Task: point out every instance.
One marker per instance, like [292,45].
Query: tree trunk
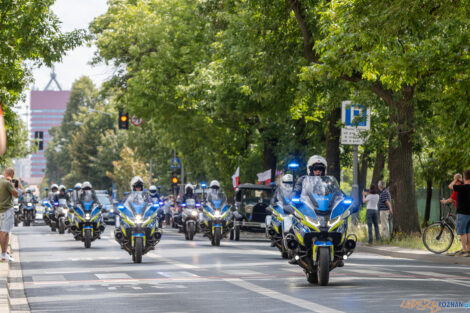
[362,175]
[378,173]
[332,144]
[400,160]
[427,210]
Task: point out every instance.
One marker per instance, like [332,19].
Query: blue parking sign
[355,116]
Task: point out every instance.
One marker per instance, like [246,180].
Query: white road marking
[41,278]
[113,276]
[177,274]
[307,305]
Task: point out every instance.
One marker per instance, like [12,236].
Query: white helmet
[153,190]
[62,187]
[86,184]
[54,186]
[214,184]
[30,189]
[188,186]
[287,179]
[136,181]
[316,161]
[78,186]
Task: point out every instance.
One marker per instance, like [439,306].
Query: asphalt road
[180,276]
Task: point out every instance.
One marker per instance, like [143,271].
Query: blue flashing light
[161,203]
[295,200]
[198,205]
[203,185]
[293,165]
[348,201]
[56,203]
[120,207]
[183,204]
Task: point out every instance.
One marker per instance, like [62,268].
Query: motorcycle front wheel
[138,248]
[87,238]
[61,225]
[323,266]
[217,236]
[191,231]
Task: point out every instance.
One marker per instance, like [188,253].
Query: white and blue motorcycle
[318,236]
[137,228]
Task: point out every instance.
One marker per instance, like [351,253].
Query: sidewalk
[415,254]
[12,296]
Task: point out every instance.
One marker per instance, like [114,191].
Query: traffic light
[174,180]
[123,120]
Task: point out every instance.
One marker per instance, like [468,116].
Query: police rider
[316,166]
[137,184]
[76,193]
[62,194]
[154,197]
[87,192]
[52,193]
[214,191]
[189,193]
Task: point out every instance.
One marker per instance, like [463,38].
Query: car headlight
[194,213]
[217,214]
[138,219]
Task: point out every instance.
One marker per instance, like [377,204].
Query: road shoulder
[18,302]
[414,254]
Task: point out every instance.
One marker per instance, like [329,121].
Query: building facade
[47,109]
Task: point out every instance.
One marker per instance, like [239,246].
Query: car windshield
[103,199]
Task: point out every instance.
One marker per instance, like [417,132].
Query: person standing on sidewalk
[385,209]
[463,212]
[453,198]
[372,200]
[7,192]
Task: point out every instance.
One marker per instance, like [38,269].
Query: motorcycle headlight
[29,204]
[315,222]
[111,210]
[138,219]
[332,223]
[217,214]
[194,213]
[65,210]
[87,216]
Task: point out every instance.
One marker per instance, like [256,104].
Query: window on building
[39,138]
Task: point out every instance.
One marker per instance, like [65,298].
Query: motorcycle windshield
[285,191]
[137,201]
[190,203]
[63,202]
[28,198]
[216,200]
[321,193]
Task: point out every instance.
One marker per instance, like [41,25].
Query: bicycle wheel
[438,237]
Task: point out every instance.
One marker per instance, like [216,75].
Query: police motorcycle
[216,221]
[189,218]
[61,215]
[137,228]
[49,213]
[88,225]
[16,208]
[275,221]
[27,209]
[318,234]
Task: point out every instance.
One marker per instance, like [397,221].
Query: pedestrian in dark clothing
[463,212]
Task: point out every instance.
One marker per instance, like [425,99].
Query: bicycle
[438,237]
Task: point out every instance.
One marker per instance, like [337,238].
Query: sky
[75,14]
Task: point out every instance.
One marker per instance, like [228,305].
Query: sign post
[356,119]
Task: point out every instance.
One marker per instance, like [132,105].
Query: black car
[108,209]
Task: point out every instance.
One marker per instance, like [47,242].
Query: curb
[18,302]
[420,255]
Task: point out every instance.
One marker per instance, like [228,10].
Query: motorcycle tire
[191,231]
[16,221]
[61,225]
[217,236]
[52,229]
[26,222]
[138,248]
[323,266]
[285,255]
[312,277]
[232,234]
[87,238]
